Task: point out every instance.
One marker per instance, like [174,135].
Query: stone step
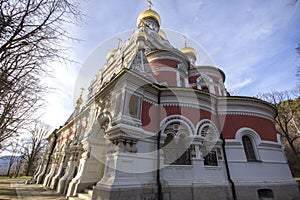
[74,198]
[84,196]
[89,191]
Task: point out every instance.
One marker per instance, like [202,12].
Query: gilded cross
[82,89]
[150,4]
[119,42]
[185,43]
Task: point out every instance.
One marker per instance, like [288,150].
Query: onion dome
[190,52]
[111,54]
[79,100]
[149,13]
[162,34]
[114,51]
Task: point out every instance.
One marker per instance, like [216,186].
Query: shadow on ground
[15,188]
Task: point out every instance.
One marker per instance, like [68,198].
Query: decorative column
[39,176]
[197,161]
[121,163]
[47,158]
[92,163]
[61,169]
[71,170]
[51,173]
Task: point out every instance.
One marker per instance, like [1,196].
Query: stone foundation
[281,191]
[168,193]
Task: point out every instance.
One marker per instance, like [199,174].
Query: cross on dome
[190,51]
[150,4]
[79,100]
[119,42]
[148,13]
[82,90]
[185,43]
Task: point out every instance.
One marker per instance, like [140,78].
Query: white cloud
[238,84]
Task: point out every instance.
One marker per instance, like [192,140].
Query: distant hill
[4,164]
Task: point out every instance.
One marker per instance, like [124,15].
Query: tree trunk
[28,168]
[8,170]
[297,160]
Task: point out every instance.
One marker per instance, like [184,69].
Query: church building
[156,125]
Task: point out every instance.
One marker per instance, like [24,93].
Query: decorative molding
[180,118]
[202,124]
[246,114]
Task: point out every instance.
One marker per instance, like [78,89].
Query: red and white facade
[157,125]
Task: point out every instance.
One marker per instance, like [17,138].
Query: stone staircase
[86,195]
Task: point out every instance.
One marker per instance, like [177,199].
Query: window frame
[215,162]
[172,131]
[265,193]
[250,150]
[139,99]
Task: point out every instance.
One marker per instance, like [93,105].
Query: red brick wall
[264,127]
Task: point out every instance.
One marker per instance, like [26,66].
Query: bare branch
[32,36]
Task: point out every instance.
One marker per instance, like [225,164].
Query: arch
[250,132]
[249,139]
[181,119]
[176,147]
[206,122]
[207,130]
[204,82]
[203,78]
[249,148]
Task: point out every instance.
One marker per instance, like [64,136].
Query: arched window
[207,131]
[204,82]
[249,148]
[176,145]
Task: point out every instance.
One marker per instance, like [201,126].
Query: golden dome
[162,34]
[111,54]
[189,51]
[79,101]
[149,13]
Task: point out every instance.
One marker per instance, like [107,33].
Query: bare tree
[32,36]
[33,147]
[288,119]
[14,150]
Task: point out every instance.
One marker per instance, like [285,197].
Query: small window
[211,159]
[134,106]
[175,153]
[265,193]
[118,104]
[248,148]
[205,88]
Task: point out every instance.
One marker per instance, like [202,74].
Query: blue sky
[252,41]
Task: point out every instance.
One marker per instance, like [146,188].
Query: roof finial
[82,90]
[119,42]
[185,43]
[79,100]
[150,4]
